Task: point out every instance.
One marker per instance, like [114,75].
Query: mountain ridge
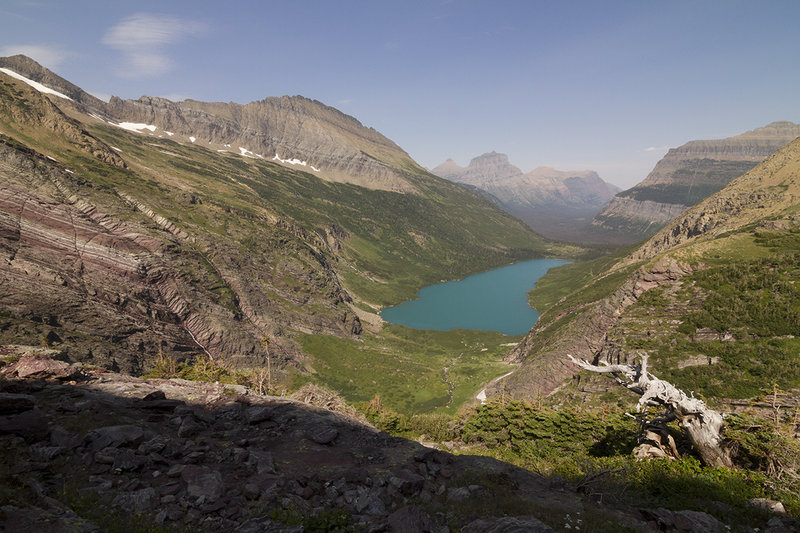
[686,175]
[287,128]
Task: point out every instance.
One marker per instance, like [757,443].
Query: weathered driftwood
[702,425]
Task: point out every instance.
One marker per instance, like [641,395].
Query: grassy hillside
[711,297]
[412,371]
[395,242]
[259,250]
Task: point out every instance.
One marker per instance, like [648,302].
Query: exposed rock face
[338,146]
[544,373]
[687,175]
[769,190]
[115,291]
[546,198]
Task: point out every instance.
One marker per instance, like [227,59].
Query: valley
[192,264]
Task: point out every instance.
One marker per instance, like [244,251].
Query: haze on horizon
[573,85]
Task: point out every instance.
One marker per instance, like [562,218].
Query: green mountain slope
[118,246]
[713,298]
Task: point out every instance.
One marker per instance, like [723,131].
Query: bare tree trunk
[702,425]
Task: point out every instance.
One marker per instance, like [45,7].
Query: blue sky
[603,85]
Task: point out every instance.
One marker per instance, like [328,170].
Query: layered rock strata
[687,175]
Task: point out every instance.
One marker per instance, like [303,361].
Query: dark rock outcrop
[101,454]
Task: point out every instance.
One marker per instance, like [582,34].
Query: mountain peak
[27,67]
[779,129]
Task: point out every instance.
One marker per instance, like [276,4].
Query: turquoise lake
[496,300]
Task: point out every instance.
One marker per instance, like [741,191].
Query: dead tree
[702,425]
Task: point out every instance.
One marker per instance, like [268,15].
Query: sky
[601,85]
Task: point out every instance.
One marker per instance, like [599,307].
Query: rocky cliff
[685,176]
[115,291]
[291,130]
[553,202]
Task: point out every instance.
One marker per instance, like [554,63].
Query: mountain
[291,130]
[555,203]
[132,230]
[712,297]
[685,176]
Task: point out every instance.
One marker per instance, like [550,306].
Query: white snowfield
[135,126]
[294,161]
[35,84]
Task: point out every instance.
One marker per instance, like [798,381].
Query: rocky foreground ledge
[82,449]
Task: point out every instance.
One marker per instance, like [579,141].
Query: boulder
[507,524]
[11,404]
[202,481]
[114,436]
[39,366]
[410,519]
[30,424]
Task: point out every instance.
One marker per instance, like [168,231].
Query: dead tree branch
[702,425]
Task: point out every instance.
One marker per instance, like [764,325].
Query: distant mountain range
[555,203]
[685,176]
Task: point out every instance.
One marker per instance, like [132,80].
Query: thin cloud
[142,38]
[656,148]
[49,56]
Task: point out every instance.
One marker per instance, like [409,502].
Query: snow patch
[193,139]
[68,170]
[98,117]
[245,152]
[135,126]
[294,161]
[35,84]
[169,133]
[115,148]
